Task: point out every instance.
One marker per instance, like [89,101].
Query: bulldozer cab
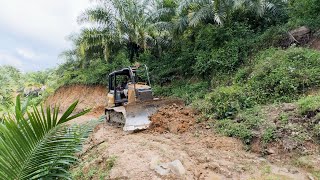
[129,85]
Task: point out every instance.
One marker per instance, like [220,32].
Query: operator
[124,86]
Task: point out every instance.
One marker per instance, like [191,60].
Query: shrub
[221,49]
[283,75]
[227,101]
[188,91]
[304,12]
[269,134]
[228,127]
[96,73]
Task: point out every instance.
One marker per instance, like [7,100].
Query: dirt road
[204,155]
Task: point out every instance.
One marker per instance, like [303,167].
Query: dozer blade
[136,115]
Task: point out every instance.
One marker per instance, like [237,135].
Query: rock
[162,169]
[288,107]
[310,177]
[177,168]
[270,151]
[300,33]
[154,162]
[173,127]
[214,166]
[293,171]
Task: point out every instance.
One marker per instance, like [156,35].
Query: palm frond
[202,14]
[38,146]
[99,15]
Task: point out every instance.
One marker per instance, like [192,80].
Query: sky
[33,33]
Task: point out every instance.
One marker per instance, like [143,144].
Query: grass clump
[243,126]
[269,134]
[229,128]
[309,104]
[88,168]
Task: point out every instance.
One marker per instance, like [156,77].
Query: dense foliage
[177,39]
[224,55]
[32,86]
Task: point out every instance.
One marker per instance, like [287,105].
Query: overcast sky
[33,32]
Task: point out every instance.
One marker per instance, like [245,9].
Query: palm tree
[38,145]
[221,10]
[123,21]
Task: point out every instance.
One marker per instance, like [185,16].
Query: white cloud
[8,59]
[49,21]
[32,55]
[27,53]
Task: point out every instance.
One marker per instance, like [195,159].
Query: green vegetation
[246,122]
[33,87]
[304,12]
[89,168]
[38,145]
[275,76]
[309,104]
[232,60]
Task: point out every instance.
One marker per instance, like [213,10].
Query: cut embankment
[94,97]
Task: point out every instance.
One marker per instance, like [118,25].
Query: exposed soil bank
[94,97]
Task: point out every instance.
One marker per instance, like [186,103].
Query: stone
[310,177]
[177,168]
[154,162]
[214,166]
[293,171]
[162,169]
[300,33]
[288,107]
[270,151]
[173,127]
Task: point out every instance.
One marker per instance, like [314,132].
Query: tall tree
[124,21]
[220,11]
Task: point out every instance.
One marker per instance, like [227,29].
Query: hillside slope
[94,97]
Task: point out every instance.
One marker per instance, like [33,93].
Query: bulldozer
[131,100]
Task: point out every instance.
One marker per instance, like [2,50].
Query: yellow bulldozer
[130,98]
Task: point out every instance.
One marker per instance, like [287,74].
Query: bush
[188,91]
[283,75]
[96,73]
[304,12]
[269,134]
[227,101]
[228,127]
[249,123]
[221,49]
[276,75]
